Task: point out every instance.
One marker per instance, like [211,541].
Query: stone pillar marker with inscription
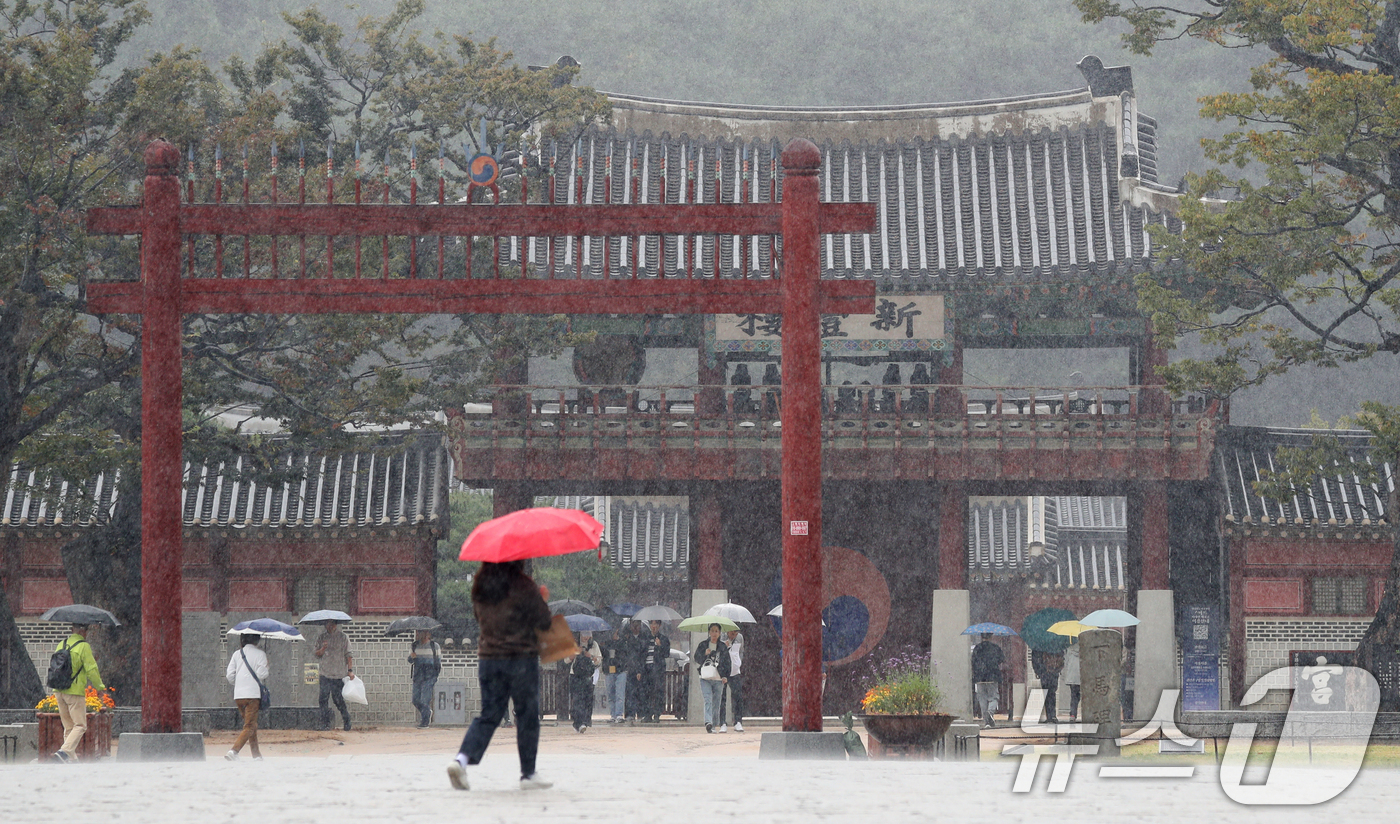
[1101,670]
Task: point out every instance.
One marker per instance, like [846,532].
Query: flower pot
[96,743]
[907,730]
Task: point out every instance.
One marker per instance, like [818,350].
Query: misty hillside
[798,52]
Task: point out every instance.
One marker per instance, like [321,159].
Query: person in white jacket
[247,692]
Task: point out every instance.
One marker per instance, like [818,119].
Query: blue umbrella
[586,623]
[268,628]
[988,628]
[624,609]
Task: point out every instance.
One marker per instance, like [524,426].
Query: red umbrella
[532,533]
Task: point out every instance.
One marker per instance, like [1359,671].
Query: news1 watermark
[1332,704]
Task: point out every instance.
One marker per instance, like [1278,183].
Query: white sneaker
[534,782]
[257,758]
[230,756]
[738,727]
[724,728]
[457,774]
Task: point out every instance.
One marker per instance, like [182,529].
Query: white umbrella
[733,612]
[267,628]
[777,612]
[324,616]
[657,612]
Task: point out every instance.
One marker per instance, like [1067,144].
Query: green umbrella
[1035,630]
[701,623]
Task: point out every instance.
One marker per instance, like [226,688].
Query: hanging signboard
[901,323]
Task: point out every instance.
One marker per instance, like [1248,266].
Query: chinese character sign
[900,323]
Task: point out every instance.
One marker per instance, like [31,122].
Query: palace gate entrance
[171,285]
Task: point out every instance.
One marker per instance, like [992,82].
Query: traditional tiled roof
[643,535]
[1049,187]
[1085,539]
[402,483]
[1337,496]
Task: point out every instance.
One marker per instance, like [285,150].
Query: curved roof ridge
[939,108]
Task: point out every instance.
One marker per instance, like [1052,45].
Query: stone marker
[1101,672]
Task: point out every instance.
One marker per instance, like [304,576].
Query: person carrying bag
[246,670]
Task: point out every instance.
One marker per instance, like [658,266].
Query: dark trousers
[632,705]
[423,699]
[581,700]
[506,680]
[735,688]
[331,689]
[1073,701]
[651,694]
[1050,683]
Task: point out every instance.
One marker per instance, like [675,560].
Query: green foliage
[1300,262]
[902,685]
[903,693]
[1300,259]
[582,576]
[454,598]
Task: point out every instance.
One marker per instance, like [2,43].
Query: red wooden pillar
[1154,398]
[709,401]
[1155,548]
[952,537]
[511,496]
[711,572]
[802,444]
[162,462]
[948,398]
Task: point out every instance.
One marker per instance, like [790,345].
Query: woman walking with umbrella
[512,613]
[247,671]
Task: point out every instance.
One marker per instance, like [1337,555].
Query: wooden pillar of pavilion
[952,536]
[162,460]
[802,440]
[710,574]
[948,399]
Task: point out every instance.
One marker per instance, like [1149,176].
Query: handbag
[557,642]
[264,697]
[709,672]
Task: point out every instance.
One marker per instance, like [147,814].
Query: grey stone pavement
[613,775]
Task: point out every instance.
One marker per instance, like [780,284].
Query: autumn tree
[1294,235]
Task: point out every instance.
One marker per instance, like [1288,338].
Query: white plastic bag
[354,690]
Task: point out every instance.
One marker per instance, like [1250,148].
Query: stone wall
[382,663]
[1269,640]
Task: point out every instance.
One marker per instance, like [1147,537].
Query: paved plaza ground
[669,774]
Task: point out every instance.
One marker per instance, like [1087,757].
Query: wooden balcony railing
[892,431]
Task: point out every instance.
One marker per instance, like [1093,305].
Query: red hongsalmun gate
[171,284]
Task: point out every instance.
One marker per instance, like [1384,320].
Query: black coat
[717,655]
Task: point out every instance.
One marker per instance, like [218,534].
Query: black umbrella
[572,607]
[81,614]
[413,623]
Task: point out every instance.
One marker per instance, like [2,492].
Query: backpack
[61,673]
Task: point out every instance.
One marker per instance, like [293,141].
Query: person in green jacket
[72,702]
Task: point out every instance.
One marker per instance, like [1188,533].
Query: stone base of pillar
[165,746]
[951,650]
[809,746]
[1155,659]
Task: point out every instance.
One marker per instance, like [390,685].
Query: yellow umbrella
[1070,628]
